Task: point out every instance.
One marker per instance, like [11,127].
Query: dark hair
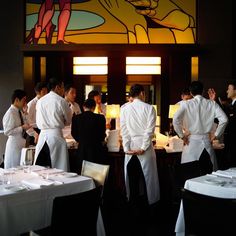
[53,82]
[232,82]
[39,86]
[185,91]
[93,93]
[136,89]
[18,93]
[89,103]
[68,87]
[196,88]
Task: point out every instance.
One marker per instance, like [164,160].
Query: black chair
[205,215]
[74,214]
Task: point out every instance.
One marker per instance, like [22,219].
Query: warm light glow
[90,60]
[143,65]
[194,68]
[143,60]
[172,110]
[90,70]
[90,65]
[155,107]
[113,111]
[158,121]
[143,70]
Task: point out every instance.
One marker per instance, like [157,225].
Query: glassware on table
[6,177]
[27,163]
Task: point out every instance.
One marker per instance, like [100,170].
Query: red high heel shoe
[49,38]
[30,36]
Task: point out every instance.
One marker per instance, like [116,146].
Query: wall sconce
[113,112]
[113,139]
[172,111]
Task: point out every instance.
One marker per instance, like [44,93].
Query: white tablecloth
[31,209]
[209,185]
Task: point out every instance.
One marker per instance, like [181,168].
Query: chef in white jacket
[198,115]
[40,90]
[138,120]
[52,114]
[70,96]
[14,128]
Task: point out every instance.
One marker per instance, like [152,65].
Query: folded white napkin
[51,171]
[36,168]
[225,173]
[35,183]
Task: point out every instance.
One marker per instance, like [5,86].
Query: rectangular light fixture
[143,70]
[89,70]
[90,60]
[90,65]
[143,65]
[143,60]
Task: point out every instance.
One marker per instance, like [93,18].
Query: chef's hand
[135,152]
[26,126]
[186,139]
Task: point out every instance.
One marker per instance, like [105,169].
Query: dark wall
[11,25]
[215,37]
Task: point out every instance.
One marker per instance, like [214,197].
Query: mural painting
[110,22]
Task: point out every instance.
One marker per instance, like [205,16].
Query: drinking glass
[28,162]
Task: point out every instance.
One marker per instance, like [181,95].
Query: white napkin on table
[35,183]
[45,171]
[225,173]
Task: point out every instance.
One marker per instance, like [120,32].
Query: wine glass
[28,161]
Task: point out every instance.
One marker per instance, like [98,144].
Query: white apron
[149,167]
[57,147]
[13,150]
[194,149]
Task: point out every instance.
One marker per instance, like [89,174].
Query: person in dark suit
[230,131]
[229,154]
[89,130]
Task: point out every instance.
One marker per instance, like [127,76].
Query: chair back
[98,172]
[76,214]
[206,215]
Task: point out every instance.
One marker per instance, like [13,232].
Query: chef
[52,114]
[15,129]
[138,120]
[70,96]
[199,114]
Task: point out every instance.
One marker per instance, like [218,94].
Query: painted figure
[44,22]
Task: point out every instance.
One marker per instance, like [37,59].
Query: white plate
[68,174]
[15,188]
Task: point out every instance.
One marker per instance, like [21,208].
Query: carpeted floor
[124,219]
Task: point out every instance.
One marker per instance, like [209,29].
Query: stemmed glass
[28,161]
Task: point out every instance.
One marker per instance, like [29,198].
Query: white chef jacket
[31,110]
[138,120]
[198,116]
[75,110]
[13,129]
[52,114]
